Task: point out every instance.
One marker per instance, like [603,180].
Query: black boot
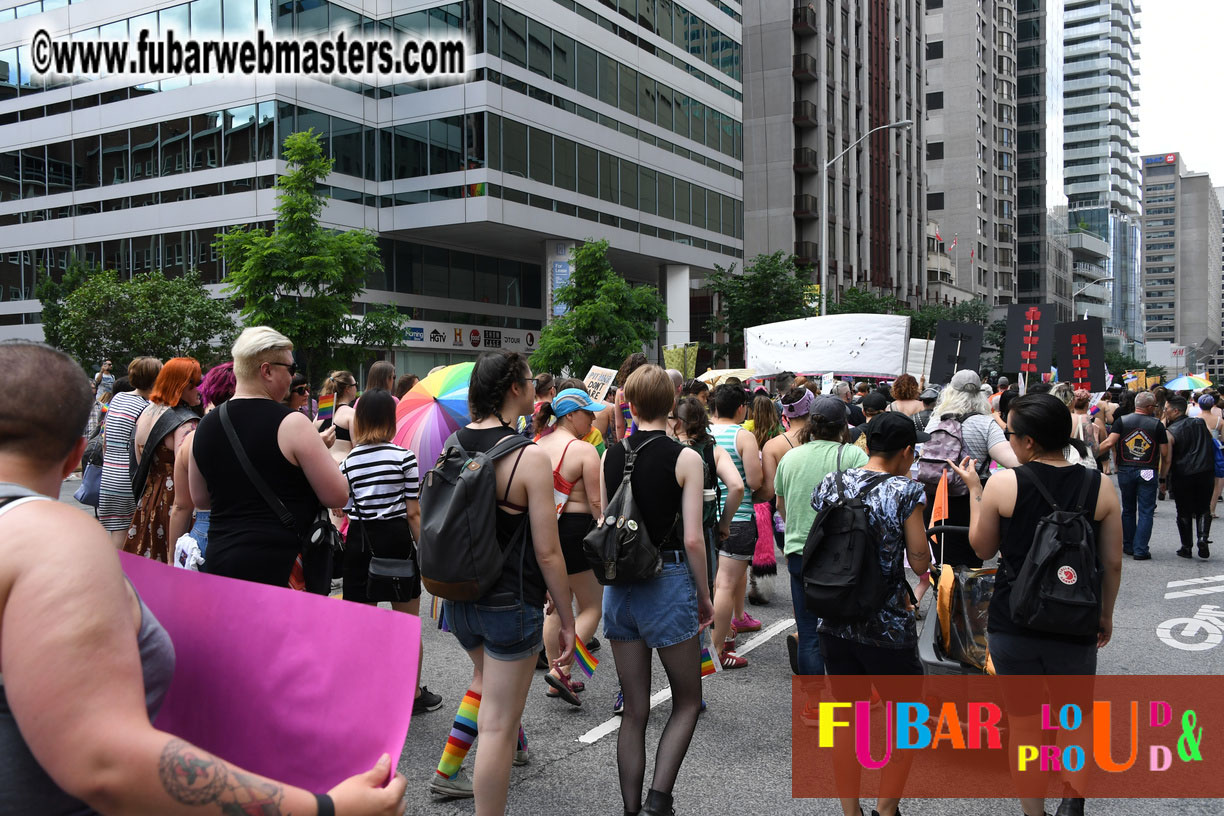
[1185,532]
[1203,523]
[657,804]
[1070,807]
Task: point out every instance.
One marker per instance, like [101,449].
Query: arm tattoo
[194,777]
[978,498]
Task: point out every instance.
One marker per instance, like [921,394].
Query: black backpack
[710,509]
[1058,587]
[619,548]
[459,556]
[841,568]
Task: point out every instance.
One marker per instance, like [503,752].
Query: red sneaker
[730,660]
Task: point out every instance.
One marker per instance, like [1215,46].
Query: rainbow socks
[522,740]
[462,735]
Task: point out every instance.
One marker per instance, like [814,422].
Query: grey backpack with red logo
[1058,587]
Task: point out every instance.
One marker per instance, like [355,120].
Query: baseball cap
[575,399]
[830,408]
[892,432]
[931,392]
[875,401]
[966,380]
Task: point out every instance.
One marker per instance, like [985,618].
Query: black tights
[682,662]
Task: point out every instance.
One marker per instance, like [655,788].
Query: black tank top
[245,539]
[654,484]
[1016,537]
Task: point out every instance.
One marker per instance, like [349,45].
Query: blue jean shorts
[507,632]
[661,611]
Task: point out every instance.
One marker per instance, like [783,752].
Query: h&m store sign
[452,337]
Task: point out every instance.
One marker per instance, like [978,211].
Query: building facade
[576,119]
[824,74]
[971,140]
[1181,258]
[1042,257]
[1101,154]
[1216,366]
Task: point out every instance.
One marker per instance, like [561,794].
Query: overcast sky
[1181,67]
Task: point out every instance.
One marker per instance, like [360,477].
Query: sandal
[576,685]
[564,688]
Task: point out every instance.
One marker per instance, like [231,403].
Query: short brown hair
[143,371]
[650,391]
[374,420]
[905,388]
[44,413]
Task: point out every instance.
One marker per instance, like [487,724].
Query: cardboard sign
[957,346]
[1081,351]
[598,381]
[303,689]
[1030,338]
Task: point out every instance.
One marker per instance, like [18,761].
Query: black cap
[874,401]
[891,432]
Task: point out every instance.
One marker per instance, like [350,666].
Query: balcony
[804,68]
[806,206]
[806,160]
[804,20]
[805,115]
[807,253]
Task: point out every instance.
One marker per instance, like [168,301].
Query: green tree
[381,328]
[1118,363]
[300,278]
[52,294]
[607,319]
[772,288]
[863,301]
[149,314]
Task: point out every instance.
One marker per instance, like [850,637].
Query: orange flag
[939,510]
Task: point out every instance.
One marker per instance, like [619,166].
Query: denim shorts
[661,611]
[741,544]
[507,632]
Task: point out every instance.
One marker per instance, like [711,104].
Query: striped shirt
[381,477]
[724,436]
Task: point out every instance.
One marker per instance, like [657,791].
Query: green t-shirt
[800,472]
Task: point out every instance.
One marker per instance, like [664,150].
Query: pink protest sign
[301,688]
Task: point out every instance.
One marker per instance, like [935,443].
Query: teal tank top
[724,435]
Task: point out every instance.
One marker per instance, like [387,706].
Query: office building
[971,140]
[576,119]
[1181,258]
[1216,367]
[1042,257]
[1101,154]
[824,74]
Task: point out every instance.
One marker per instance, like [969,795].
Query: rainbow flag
[438,613]
[710,664]
[585,660]
[327,407]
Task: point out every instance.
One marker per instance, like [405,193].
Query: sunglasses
[292,367]
[302,390]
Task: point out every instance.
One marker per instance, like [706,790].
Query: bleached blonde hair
[256,346]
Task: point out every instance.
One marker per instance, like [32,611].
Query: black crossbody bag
[388,579]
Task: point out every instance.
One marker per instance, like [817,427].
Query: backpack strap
[278,507]
[1042,489]
[1084,488]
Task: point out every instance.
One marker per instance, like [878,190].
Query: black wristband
[325,805]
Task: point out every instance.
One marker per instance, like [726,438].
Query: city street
[740,757]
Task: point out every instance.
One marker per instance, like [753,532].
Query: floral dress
[150,530]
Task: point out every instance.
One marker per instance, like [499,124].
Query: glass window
[646,14]
[114,158]
[494,141]
[206,141]
[646,98]
[28,81]
[59,168]
[712,119]
[698,207]
[10,177]
[407,268]
[239,19]
[311,17]
[608,78]
[629,185]
[697,119]
[667,196]
[563,59]
[628,90]
[462,276]
[146,153]
[434,269]
[532,285]
[664,114]
[539,48]
[320,123]
[588,171]
[609,177]
[487,287]
[266,130]
[647,189]
[541,155]
[286,115]
[588,71]
[663,20]
[8,74]
[683,212]
[474,140]
[369,139]
[411,145]
[446,145]
[514,148]
[514,37]
[346,146]
[86,155]
[342,19]
[386,167]
[564,156]
[493,28]
[206,18]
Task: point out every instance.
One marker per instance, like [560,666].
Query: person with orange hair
[172,414]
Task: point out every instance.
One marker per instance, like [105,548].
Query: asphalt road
[740,762]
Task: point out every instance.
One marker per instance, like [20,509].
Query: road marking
[1197,583]
[605,728]
[1211,579]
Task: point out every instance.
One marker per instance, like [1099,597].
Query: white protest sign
[598,380]
[867,345]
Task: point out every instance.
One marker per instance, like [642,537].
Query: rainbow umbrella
[436,407]
[1188,382]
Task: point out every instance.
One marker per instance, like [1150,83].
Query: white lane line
[1190,593]
[1192,581]
[605,728]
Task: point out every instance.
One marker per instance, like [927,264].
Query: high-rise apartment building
[1101,154]
[1042,258]
[1181,258]
[576,119]
[1216,366]
[971,140]
[823,74]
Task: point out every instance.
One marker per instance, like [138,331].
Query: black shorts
[572,528]
[741,544]
[387,538]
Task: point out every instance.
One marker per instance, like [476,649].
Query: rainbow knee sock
[462,735]
[522,740]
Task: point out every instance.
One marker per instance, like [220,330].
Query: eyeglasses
[535,383]
[302,390]
[1009,433]
[292,367]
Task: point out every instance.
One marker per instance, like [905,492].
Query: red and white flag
[971,256]
[938,237]
[953,242]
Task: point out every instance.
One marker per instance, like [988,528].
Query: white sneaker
[457,787]
[521,756]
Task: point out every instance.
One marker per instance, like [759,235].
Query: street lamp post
[824,207]
[1084,288]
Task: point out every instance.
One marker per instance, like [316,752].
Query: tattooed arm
[72,677]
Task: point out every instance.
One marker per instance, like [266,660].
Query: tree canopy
[607,319]
[772,288]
